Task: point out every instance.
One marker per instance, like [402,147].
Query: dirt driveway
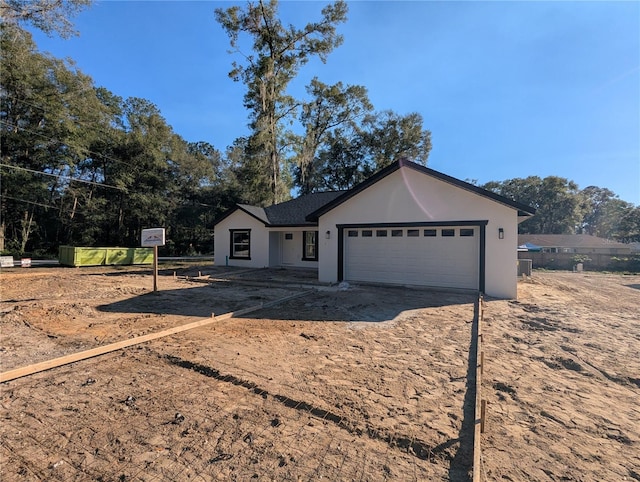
[369,383]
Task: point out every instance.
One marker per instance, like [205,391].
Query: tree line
[82,166]
[563,208]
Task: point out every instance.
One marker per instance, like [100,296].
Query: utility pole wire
[39,134]
[63,177]
[29,202]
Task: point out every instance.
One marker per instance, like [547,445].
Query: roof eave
[228,213]
[523,216]
[238,207]
[295,225]
[257,218]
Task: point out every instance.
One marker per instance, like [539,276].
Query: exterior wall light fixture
[327,235]
[500,233]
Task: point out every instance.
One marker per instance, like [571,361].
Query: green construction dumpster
[75,256]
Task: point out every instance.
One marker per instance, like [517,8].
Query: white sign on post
[6,261]
[153,237]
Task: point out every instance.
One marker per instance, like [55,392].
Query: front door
[289,248]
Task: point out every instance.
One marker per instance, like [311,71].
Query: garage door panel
[446,261]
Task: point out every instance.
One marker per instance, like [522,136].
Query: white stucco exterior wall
[407,196]
[267,245]
[291,252]
[259,241]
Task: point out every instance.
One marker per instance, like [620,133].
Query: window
[381,233]
[310,248]
[367,233]
[430,232]
[353,233]
[240,243]
[288,236]
[396,233]
[413,233]
[449,232]
[466,232]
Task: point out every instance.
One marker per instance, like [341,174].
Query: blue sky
[508,89]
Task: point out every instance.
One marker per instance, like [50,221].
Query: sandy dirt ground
[368,383]
[562,379]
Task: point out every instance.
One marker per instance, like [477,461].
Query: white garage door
[433,256]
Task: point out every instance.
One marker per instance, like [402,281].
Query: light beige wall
[259,241]
[296,244]
[409,196]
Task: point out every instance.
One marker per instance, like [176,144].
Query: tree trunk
[27,222]
[274,179]
[75,205]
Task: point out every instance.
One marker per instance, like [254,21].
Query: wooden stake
[483,413]
[155,268]
[481,363]
[83,355]
[478,418]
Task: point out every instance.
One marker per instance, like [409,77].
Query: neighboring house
[406,224]
[574,243]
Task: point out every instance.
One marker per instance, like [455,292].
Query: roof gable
[523,210]
[253,211]
[305,210]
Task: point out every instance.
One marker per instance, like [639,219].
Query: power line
[6,100]
[79,122]
[63,177]
[100,155]
[30,202]
[80,210]
[76,121]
